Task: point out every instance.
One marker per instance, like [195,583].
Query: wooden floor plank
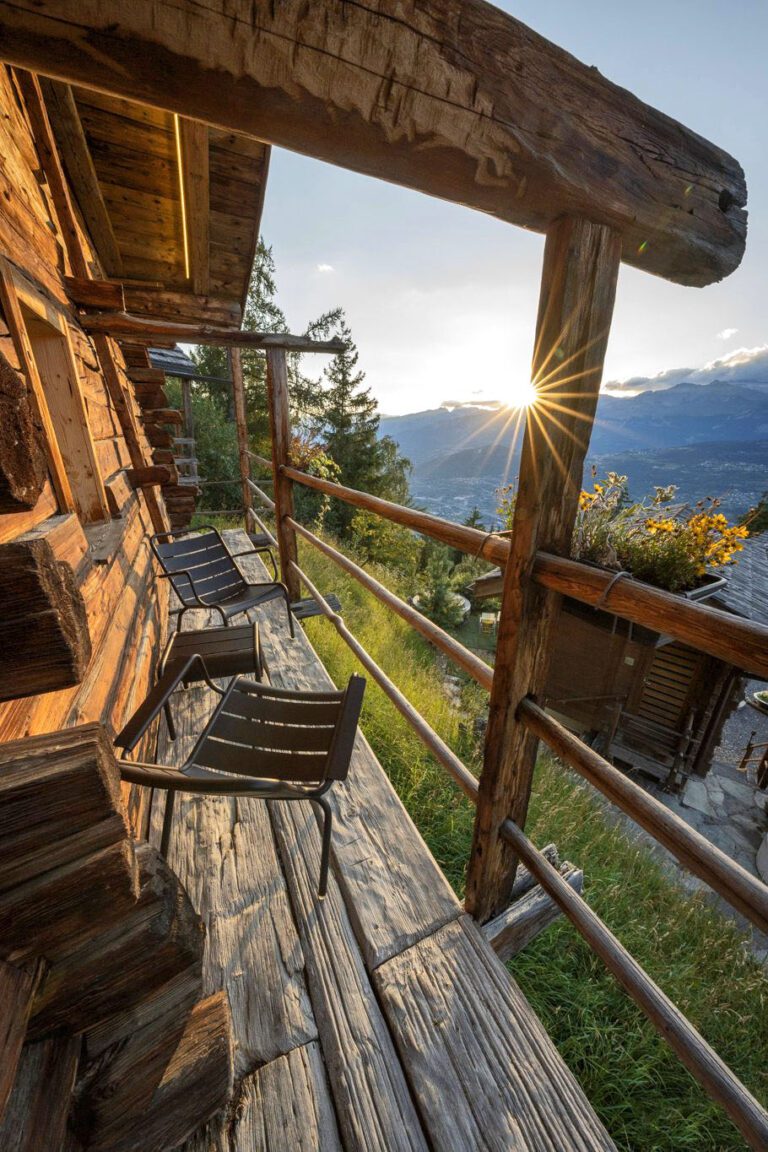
[287,1104]
[223,850]
[394,897]
[485,1075]
[373,1104]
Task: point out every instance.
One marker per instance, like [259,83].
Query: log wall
[109,563]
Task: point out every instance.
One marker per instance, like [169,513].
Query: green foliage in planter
[670,546]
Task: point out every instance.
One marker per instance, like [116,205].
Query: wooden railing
[727,637]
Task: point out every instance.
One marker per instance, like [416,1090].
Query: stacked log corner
[180,498]
[105,1042]
[45,643]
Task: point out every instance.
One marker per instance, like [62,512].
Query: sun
[522,394]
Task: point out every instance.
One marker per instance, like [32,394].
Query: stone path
[725,806]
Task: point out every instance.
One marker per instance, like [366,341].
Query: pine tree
[348,425]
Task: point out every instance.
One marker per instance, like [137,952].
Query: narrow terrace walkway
[378,1019]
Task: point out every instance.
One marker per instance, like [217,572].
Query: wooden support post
[186,400]
[581,263]
[280,428]
[241,423]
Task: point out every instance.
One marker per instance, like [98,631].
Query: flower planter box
[628,685]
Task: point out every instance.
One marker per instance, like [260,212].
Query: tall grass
[640,1090]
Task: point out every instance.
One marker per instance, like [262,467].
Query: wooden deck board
[222,849]
[484,1072]
[394,897]
[373,1102]
[287,1104]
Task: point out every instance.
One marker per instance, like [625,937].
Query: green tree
[437,598]
[757,518]
[347,423]
[381,542]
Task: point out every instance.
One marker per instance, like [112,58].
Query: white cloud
[727,333]
[326,268]
[748,366]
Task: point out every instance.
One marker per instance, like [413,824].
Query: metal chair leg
[167,821]
[325,855]
[169,720]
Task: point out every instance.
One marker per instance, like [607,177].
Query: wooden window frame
[16,294]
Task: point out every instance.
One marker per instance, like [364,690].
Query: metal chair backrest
[277,734]
[215,578]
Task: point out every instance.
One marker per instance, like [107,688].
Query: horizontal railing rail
[742,890]
[714,1075]
[742,643]
[453,649]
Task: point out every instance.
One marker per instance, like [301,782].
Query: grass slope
[642,1093]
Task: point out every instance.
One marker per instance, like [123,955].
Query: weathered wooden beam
[22,453]
[451,97]
[196,1083]
[527,916]
[59,801]
[241,425]
[17,990]
[150,475]
[157,940]
[278,402]
[122,325]
[140,300]
[36,1115]
[76,156]
[53,910]
[581,264]
[126,1056]
[44,639]
[192,145]
[163,416]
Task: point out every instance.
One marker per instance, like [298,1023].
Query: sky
[442,300]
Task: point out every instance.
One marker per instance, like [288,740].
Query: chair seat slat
[254,707]
[286,737]
[240,761]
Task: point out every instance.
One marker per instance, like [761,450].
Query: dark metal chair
[203,574]
[265,742]
[225,652]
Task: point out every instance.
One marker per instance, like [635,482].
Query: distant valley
[709,439]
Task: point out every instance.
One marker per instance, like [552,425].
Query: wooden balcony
[379,1018]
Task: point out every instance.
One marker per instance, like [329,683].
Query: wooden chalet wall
[108,561]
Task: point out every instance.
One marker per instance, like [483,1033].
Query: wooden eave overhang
[451,97]
[172,206]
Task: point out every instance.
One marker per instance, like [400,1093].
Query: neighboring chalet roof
[174,362]
[171,204]
[746,592]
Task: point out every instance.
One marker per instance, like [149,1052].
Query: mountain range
[710,439]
